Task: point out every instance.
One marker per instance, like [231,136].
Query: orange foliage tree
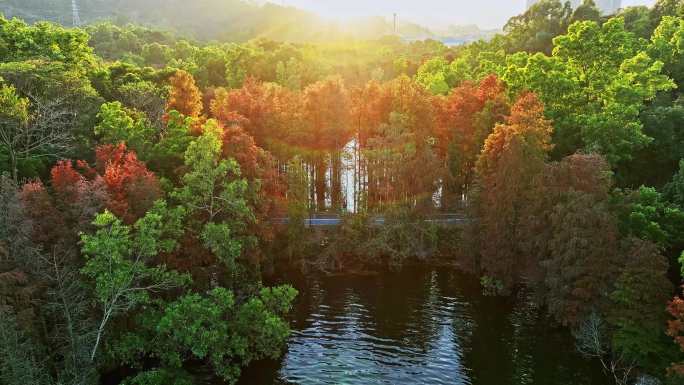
[513,155]
[266,188]
[184,96]
[326,110]
[371,106]
[271,114]
[252,102]
[465,118]
[250,119]
[400,155]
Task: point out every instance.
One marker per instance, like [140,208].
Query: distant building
[607,7]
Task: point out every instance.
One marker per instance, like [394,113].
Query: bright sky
[435,13]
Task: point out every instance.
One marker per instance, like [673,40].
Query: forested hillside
[150,182]
[227,20]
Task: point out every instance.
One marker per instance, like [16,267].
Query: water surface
[421,327]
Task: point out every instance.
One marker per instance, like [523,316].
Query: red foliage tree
[49,226]
[67,182]
[675,329]
[119,182]
[74,204]
[583,173]
[131,186]
[583,259]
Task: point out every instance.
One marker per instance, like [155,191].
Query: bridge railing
[332,220]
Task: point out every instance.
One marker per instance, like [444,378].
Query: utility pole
[74,13]
[395,23]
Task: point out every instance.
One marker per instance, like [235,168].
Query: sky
[487,14]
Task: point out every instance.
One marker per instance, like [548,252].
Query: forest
[151,184]
[230,20]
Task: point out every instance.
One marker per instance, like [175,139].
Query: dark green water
[421,327]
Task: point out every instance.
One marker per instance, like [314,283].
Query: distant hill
[228,20]
[607,7]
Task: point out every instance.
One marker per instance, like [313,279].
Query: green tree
[215,327]
[62,110]
[674,191]
[586,11]
[594,87]
[435,75]
[534,30]
[20,41]
[637,20]
[170,144]
[637,312]
[120,125]
[155,54]
[664,8]
[118,262]
[211,66]
[667,45]
[15,137]
[238,61]
[655,164]
[160,376]
[213,194]
[647,215]
[289,74]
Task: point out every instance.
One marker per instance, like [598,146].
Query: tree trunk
[320,183]
[336,180]
[14,166]
[312,187]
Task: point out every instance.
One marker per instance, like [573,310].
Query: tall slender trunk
[372,188]
[312,187]
[336,180]
[357,174]
[320,183]
[14,166]
[100,331]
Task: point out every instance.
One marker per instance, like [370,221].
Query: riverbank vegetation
[151,182]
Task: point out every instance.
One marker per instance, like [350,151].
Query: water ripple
[421,327]
[342,345]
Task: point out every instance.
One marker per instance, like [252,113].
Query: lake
[421,327]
